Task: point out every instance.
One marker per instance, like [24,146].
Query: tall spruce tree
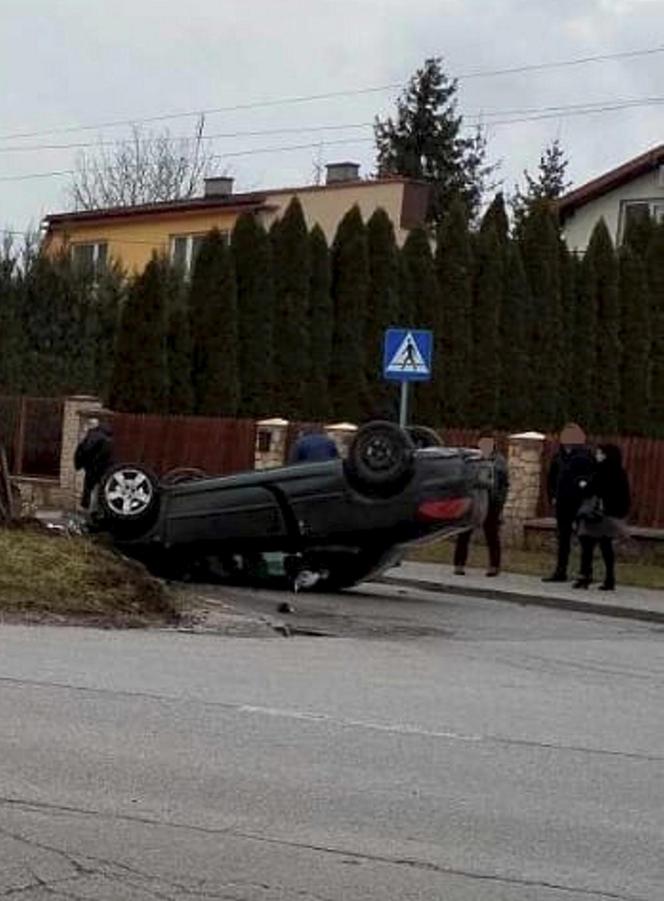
[583,355]
[11,350]
[549,183]
[55,313]
[496,215]
[179,346]
[568,277]
[252,254]
[140,375]
[655,267]
[425,141]
[607,372]
[320,320]
[635,341]
[427,314]
[350,286]
[213,317]
[541,255]
[290,247]
[514,401]
[383,309]
[454,268]
[486,314]
[108,300]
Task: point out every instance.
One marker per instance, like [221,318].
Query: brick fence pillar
[73,427]
[271,438]
[342,434]
[524,459]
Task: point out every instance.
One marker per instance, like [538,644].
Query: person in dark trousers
[94,455]
[569,474]
[493,519]
[602,515]
[314,446]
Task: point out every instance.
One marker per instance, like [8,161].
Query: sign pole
[407,357]
[403,406]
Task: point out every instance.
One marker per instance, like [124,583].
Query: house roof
[253,200]
[233,203]
[610,180]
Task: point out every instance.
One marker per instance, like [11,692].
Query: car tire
[422,436]
[128,498]
[380,458]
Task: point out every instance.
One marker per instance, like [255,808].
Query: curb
[514,597]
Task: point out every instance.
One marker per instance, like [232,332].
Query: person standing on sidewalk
[602,515]
[569,474]
[494,516]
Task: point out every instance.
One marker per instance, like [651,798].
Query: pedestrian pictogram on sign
[407,355]
[408,359]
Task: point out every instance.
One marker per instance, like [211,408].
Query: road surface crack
[413,863]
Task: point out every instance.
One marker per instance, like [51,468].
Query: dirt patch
[51,577]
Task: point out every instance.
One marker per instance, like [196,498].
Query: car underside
[334,523]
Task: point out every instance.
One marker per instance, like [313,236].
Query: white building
[634,189]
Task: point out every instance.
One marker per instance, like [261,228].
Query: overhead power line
[81,145]
[489,117]
[537,115]
[331,95]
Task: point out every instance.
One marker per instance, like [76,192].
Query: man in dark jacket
[94,455]
[494,515]
[570,471]
[314,446]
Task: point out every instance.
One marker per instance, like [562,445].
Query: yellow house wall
[132,241]
[578,228]
[327,207]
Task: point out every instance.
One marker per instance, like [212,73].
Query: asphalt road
[460,750]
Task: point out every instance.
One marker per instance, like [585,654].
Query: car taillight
[449,508]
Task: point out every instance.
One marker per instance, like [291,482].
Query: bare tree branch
[146,168]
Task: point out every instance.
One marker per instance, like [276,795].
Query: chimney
[218,186]
[341,172]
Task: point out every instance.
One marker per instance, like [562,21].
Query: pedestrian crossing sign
[407,355]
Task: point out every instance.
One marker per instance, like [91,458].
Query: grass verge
[538,563]
[49,576]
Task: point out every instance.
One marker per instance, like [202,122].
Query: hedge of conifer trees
[527,334]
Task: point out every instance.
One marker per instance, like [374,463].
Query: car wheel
[423,436]
[129,497]
[380,458]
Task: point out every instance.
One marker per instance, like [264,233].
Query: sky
[70,67]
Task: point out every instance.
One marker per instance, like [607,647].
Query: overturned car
[341,520]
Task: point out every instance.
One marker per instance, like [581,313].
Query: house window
[90,258]
[184,249]
[635,212]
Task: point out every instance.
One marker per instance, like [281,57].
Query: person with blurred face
[493,520]
[569,474]
[602,515]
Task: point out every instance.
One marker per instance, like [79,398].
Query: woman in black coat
[602,515]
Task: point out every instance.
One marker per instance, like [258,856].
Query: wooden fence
[217,446]
[643,459]
[31,432]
